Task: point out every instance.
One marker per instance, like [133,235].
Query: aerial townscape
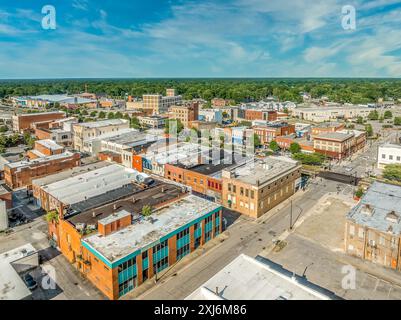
[194,188]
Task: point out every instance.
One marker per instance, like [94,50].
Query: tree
[373,115]
[359,120]
[84,113]
[309,159]
[110,115]
[256,140]
[135,123]
[3,129]
[171,123]
[392,172]
[397,121]
[102,115]
[359,193]
[274,146]
[118,115]
[93,114]
[369,130]
[146,211]
[388,115]
[295,148]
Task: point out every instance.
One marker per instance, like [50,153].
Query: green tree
[309,159]
[388,115]
[110,115]
[3,129]
[146,211]
[295,148]
[93,114]
[392,172]
[369,130]
[102,115]
[397,121]
[118,115]
[359,120]
[274,146]
[135,123]
[256,140]
[373,115]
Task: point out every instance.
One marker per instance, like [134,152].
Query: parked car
[30,282]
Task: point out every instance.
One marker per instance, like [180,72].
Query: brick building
[327,127]
[186,113]
[373,226]
[271,131]
[254,114]
[44,148]
[20,174]
[23,122]
[257,186]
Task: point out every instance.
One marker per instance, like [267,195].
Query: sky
[208,38]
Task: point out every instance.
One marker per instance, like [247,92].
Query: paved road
[248,237]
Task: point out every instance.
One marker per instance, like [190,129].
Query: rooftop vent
[367,209]
[392,217]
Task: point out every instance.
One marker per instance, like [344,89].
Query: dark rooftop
[159,193]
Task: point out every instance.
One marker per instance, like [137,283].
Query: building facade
[388,154]
[23,122]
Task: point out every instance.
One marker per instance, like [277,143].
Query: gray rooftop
[91,184]
[258,172]
[69,173]
[151,229]
[335,136]
[26,163]
[49,144]
[379,209]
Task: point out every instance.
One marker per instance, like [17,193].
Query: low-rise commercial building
[271,131]
[44,148]
[255,187]
[327,127]
[323,114]
[23,122]
[340,144]
[153,122]
[373,226]
[388,154]
[211,115]
[20,174]
[260,114]
[248,278]
[86,131]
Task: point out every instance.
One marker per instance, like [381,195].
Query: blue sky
[216,38]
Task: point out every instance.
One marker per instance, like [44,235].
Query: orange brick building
[252,114]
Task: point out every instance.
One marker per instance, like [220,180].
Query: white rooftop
[249,279]
[26,163]
[12,287]
[91,184]
[49,144]
[148,230]
[103,123]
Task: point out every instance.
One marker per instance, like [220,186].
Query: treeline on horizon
[357,91]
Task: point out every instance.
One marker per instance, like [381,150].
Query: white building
[388,154]
[247,278]
[322,113]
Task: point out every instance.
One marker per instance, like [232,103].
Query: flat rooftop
[12,287]
[247,278]
[40,113]
[63,175]
[159,193]
[49,144]
[329,124]
[88,185]
[26,163]
[258,172]
[146,231]
[386,145]
[337,136]
[103,123]
[379,209]
[132,138]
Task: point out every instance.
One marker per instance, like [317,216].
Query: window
[383,156]
[391,157]
[241,191]
[352,230]
[398,158]
[127,264]
[182,234]
[246,193]
[252,194]
[144,255]
[229,187]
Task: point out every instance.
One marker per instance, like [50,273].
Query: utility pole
[291,217]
